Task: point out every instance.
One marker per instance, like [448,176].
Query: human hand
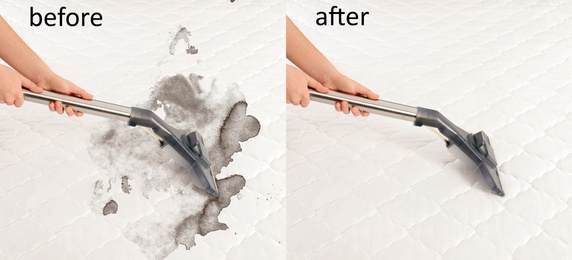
[297,83]
[55,83]
[344,84]
[11,83]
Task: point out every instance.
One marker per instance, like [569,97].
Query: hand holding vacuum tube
[317,72]
[29,71]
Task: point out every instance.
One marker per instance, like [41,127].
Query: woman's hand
[30,68]
[297,83]
[344,84]
[55,83]
[11,83]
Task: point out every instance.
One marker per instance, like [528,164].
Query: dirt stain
[98,187]
[192,50]
[129,157]
[125,185]
[206,221]
[110,208]
[182,35]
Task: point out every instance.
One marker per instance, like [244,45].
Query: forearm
[15,52]
[301,52]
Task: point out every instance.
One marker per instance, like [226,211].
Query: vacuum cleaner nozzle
[472,149]
[189,151]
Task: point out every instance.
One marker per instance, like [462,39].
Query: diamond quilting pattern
[500,67]
[47,173]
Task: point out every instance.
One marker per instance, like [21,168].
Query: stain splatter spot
[214,108]
[98,186]
[182,34]
[110,208]
[192,50]
[125,184]
[206,221]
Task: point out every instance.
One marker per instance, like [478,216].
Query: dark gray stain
[129,156]
[206,221]
[110,208]
[182,34]
[237,127]
[182,94]
[108,136]
[192,50]
[125,184]
[98,186]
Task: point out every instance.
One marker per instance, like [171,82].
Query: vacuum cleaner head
[189,151]
[473,149]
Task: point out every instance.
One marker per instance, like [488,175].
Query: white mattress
[53,184]
[361,188]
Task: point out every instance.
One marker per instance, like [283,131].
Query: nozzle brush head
[189,151]
[202,167]
[476,151]
[472,149]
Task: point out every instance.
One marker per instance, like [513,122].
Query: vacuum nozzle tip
[498,191]
[212,191]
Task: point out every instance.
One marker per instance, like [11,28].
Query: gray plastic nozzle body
[187,150]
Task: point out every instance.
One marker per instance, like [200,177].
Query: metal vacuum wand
[380,107]
[94,107]
[473,149]
[187,150]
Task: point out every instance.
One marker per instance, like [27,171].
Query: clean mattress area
[381,188]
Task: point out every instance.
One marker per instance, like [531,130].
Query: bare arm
[301,52]
[19,56]
[15,52]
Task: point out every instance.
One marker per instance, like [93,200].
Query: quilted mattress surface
[93,188]
[379,188]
